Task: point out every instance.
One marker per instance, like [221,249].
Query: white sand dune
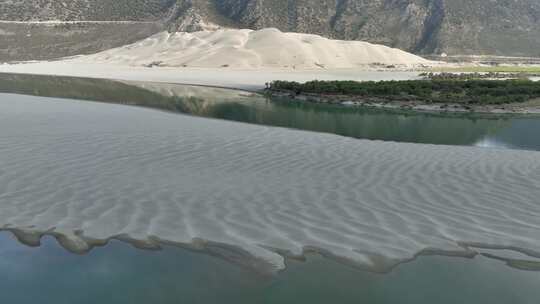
[86,172]
[267,48]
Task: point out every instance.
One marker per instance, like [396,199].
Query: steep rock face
[503,27]
[493,27]
[395,23]
[496,27]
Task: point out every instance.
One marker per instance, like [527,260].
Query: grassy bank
[480,92]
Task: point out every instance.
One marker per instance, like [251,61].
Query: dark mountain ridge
[480,27]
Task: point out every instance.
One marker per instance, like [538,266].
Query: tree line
[430,91]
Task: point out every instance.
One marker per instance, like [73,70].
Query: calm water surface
[118,273]
[486,130]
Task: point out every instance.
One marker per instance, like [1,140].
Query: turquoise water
[486,130]
[517,132]
[119,273]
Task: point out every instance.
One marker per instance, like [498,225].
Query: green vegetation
[476,76]
[428,91]
[492,69]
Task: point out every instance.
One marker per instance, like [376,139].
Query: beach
[245,79]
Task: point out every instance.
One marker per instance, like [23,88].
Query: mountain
[490,27]
[495,27]
[85,10]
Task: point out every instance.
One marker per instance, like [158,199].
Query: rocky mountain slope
[492,27]
[84,10]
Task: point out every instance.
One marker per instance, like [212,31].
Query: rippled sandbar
[88,172]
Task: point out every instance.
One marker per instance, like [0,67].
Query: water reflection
[118,274]
[483,130]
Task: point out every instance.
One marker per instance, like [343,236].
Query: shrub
[442,91]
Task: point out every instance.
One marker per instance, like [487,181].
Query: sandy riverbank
[242,59]
[254,194]
[246,79]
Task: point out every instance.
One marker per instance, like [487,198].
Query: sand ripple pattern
[91,171]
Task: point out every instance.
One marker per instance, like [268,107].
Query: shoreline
[240,258]
[527,108]
[79,244]
[252,80]
[272,253]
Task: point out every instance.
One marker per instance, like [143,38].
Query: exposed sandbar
[85,172]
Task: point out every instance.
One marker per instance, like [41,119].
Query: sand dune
[86,172]
[267,48]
